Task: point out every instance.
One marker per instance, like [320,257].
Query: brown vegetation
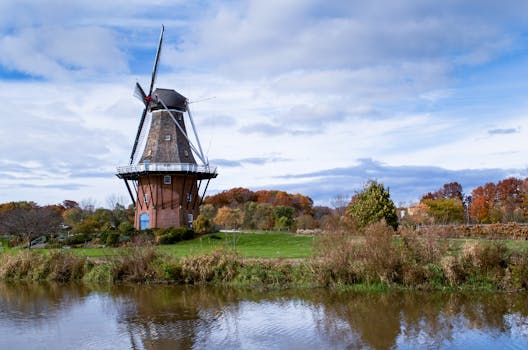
[510,230]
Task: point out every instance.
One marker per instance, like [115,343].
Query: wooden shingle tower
[163,177]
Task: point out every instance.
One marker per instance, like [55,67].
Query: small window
[186,153]
[167,137]
[145,198]
[190,218]
[167,179]
[189,197]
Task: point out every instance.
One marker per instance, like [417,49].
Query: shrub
[112,239]
[382,259]
[126,228]
[423,250]
[516,275]
[173,235]
[218,266]
[203,224]
[77,239]
[136,265]
[65,267]
[452,269]
[347,259]
[480,257]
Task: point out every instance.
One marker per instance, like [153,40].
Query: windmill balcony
[134,171]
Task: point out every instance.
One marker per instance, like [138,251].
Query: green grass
[248,245]
[514,245]
[4,248]
[265,245]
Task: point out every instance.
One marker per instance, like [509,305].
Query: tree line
[26,221]
[241,208]
[501,202]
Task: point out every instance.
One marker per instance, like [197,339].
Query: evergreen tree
[373,204]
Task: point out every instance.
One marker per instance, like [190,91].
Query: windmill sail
[142,139]
[140,93]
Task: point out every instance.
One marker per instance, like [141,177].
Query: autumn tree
[320,211]
[305,222]
[284,217]
[249,221]
[511,198]
[452,190]
[228,218]
[234,198]
[373,204]
[73,216]
[264,216]
[69,204]
[208,211]
[29,221]
[446,205]
[239,196]
[502,202]
[445,210]
[484,201]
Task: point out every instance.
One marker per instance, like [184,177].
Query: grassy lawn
[248,245]
[514,245]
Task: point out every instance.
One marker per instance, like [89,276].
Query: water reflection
[35,316]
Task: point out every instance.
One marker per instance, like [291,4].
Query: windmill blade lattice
[146,99]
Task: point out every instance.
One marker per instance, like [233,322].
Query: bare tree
[29,223]
[88,205]
[114,199]
[339,203]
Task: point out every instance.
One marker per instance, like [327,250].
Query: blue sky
[309,96]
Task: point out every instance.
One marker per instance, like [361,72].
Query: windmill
[163,177]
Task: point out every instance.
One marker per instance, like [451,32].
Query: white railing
[183,167]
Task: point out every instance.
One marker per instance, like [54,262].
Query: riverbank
[376,262]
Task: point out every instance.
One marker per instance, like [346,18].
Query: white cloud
[314,85]
[62,53]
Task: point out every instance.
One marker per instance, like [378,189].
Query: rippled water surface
[50,316]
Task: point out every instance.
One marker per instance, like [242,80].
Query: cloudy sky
[306,96]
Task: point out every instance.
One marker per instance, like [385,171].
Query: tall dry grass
[366,255]
[136,264]
[370,256]
[374,255]
[55,266]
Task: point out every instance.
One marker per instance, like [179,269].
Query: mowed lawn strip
[252,245]
[248,245]
[512,244]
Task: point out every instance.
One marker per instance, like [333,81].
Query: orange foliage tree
[238,197]
[502,202]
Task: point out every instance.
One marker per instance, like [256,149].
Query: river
[54,316]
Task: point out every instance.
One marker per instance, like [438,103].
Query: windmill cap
[171,98]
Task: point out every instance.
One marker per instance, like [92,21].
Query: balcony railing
[166,167]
